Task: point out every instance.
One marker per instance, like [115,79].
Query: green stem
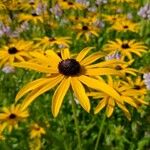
[65,131]
[76,120]
[100,132]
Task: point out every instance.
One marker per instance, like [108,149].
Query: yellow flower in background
[66,71]
[137,84]
[33,17]
[29,5]
[36,131]
[10,116]
[16,51]
[47,42]
[127,96]
[86,31]
[64,4]
[125,47]
[113,18]
[122,1]
[125,25]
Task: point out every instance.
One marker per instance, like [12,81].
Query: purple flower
[116,55]
[144,11]
[8,69]
[146,77]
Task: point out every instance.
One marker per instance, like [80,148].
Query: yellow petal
[80,93]
[59,95]
[92,58]
[107,63]
[54,58]
[65,54]
[83,53]
[34,66]
[100,105]
[31,86]
[110,107]
[38,91]
[102,71]
[129,101]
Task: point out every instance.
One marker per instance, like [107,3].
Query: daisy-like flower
[127,94]
[125,47]
[47,42]
[86,31]
[67,72]
[16,51]
[113,18]
[33,17]
[36,131]
[121,66]
[137,84]
[29,5]
[125,25]
[9,117]
[64,4]
[123,1]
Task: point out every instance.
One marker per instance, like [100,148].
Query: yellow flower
[126,48]
[113,18]
[64,4]
[127,94]
[16,51]
[33,17]
[125,25]
[65,71]
[29,5]
[36,131]
[137,84]
[9,117]
[47,42]
[86,31]
[122,1]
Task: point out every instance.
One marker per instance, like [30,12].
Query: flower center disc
[125,27]
[34,15]
[12,116]
[125,46]
[85,28]
[12,50]
[69,67]
[118,67]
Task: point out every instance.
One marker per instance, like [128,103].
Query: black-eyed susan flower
[67,72]
[125,47]
[125,68]
[85,31]
[36,131]
[123,1]
[10,116]
[127,94]
[137,84]
[33,17]
[29,5]
[113,18]
[47,42]
[16,51]
[65,4]
[125,25]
